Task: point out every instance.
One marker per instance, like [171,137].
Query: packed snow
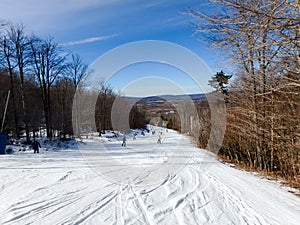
[101,182]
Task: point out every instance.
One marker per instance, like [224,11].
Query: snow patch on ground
[64,187]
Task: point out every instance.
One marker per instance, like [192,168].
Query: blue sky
[93,27]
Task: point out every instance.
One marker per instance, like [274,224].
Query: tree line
[42,79]
[262,40]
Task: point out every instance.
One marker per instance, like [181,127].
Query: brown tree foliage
[262,39]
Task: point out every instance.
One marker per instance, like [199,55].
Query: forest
[262,92]
[41,80]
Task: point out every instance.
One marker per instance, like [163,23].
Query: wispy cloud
[89,40]
[177,20]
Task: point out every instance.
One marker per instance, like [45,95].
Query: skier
[36,145]
[159,139]
[124,141]
[134,136]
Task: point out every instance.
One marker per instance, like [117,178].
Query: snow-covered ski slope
[144,183]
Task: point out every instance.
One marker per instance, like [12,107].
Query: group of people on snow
[124,139]
[36,145]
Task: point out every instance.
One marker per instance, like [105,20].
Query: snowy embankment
[144,183]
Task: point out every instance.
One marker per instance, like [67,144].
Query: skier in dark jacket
[159,139]
[124,141]
[36,145]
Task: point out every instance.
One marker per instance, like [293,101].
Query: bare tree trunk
[7,53]
[14,101]
[272,133]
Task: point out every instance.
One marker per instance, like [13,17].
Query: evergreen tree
[219,82]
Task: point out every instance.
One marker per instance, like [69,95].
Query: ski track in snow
[62,188]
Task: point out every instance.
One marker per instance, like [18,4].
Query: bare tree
[21,46]
[62,96]
[104,105]
[47,66]
[7,62]
[77,71]
[258,36]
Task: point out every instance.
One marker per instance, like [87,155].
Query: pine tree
[219,82]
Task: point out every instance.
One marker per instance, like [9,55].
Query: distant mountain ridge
[171,98]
